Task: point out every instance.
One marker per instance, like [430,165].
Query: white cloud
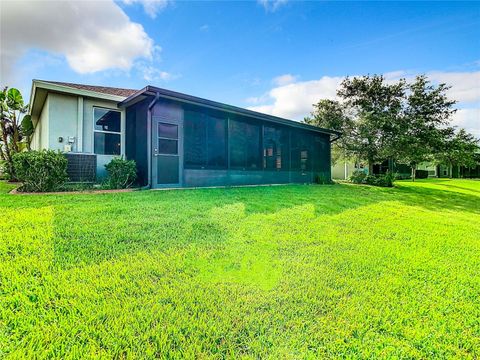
[469,119]
[395,75]
[204,27]
[294,101]
[272,5]
[465,85]
[150,73]
[284,79]
[92,36]
[151,7]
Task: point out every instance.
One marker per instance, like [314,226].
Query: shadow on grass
[93,228]
[438,199]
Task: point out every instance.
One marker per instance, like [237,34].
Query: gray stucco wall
[40,136]
[63,121]
[62,117]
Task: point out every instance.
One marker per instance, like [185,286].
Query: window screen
[167,147]
[168,131]
[216,143]
[275,148]
[205,141]
[167,136]
[301,151]
[245,150]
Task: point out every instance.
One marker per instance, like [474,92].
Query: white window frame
[106,131]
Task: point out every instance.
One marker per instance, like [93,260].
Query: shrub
[384,180]
[40,171]
[322,179]
[421,174]
[121,173]
[358,177]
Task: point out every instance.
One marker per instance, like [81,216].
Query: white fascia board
[32,95]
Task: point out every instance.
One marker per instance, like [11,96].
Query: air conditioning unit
[81,167]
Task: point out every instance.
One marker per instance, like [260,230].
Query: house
[343,170]
[177,140]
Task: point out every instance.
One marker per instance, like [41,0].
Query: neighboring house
[343,170]
[177,140]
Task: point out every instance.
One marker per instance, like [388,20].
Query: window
[205,141]
[106,131]
[167,139]
[275,148]
[245,151]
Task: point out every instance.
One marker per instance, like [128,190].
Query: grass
[269,272]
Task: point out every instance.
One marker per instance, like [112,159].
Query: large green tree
[366,113]
[422,129]
[375,105]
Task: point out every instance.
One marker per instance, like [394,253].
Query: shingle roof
[100,89]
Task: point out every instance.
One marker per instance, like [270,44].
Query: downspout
[149,138]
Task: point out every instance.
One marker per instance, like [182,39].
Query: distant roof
[99,89]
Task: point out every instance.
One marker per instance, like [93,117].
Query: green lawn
[280,272]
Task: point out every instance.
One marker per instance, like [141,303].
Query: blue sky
[274,56]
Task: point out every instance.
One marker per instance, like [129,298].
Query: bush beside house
[121,173]
[40,171]
[384,180]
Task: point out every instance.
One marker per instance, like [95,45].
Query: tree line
[409,122]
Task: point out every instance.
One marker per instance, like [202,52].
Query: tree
[423,127]
[458,149]
[12,131]
[366,114]
[375,105]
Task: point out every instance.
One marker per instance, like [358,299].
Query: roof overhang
[40,89]
[149,91]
